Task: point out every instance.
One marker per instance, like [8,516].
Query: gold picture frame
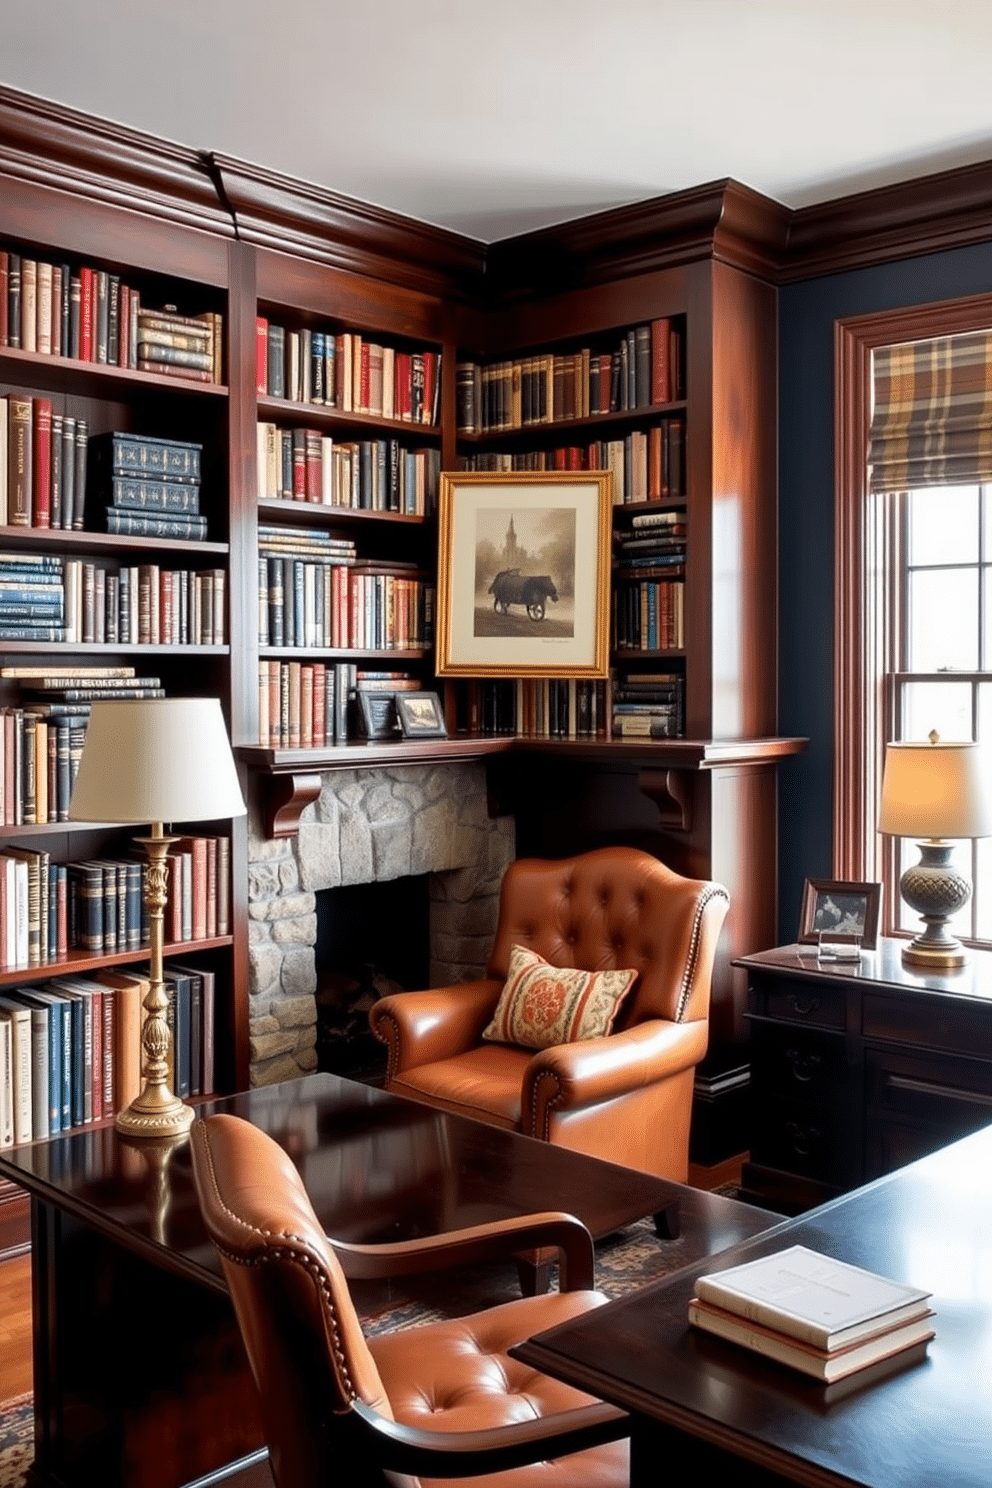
[524,574]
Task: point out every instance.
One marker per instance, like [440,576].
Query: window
[913,597]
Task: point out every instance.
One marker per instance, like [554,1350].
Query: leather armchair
[627,1096]
[445,1398]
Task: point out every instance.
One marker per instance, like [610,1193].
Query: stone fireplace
[367,826]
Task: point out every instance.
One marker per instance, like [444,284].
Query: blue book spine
[55,1070]
[66,1009]
[77,1092]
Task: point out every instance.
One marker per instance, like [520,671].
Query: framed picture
[524,575]
[834,907]
[420,715]
[376,715]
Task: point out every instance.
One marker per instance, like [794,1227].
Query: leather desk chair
[442,1399]
[626,1096]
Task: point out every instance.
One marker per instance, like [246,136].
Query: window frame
[867,595]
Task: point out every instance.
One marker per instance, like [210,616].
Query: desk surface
[377,1167]
[929,1224]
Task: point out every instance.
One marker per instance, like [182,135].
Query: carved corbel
[671,792]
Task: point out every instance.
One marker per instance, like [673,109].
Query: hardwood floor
[15,1327]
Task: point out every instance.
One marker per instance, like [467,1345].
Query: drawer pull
[802,1007]
[805,1067]
[942,1092]
[803,1138]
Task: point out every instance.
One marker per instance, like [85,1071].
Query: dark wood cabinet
[858,1068]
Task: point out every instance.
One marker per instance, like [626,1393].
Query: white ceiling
[492,117]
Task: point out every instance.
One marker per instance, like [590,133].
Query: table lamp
[156,760]
[934,792]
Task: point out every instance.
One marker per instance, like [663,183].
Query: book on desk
[821,1316]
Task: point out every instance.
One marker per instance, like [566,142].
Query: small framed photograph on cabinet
[837,908]
[376,715]
[420,715]
[524,574]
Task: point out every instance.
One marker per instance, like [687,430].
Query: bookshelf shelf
[84,962]
[40,371]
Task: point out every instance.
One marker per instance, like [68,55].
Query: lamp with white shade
[936,793]
[156,760]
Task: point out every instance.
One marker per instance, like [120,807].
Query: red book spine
[42,495]
[109,1043]
[363,404]
[211,886]
[261,354]
[319,704]
[96,1002]
[85,314]
[430,373]
[661,382]
[123,326]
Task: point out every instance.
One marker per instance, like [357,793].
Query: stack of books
[821,1316]
[32,599]
[175,345]
[147,487]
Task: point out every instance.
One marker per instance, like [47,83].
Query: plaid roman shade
[931,422]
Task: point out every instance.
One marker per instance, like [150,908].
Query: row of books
[347,371]
[541,708]
[648,705]
[97,905]
[646,464]
[310,705]
[649,614]
[51,599]
[146,487]
[341,603]
[39,762]
[43,461]
[643,369]
[70,1048]
[821,1316]
[368,474]
[91,315]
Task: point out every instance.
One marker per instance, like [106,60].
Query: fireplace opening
[372,939]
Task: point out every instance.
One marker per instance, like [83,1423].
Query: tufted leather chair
[625,1097]
[444,1398]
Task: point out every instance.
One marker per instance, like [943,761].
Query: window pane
[942,619]
[943,525]
[983,900]
[944,706]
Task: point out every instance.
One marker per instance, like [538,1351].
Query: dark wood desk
[140,1377]
[710,1407]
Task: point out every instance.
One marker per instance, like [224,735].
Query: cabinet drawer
[799,1138]
[948,1096]
[795,1062]
[928,1023]
[798,1002]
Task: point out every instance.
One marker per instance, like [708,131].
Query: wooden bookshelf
[221,234]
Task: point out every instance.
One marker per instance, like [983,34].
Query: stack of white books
[813,1313]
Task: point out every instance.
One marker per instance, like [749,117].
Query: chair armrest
[485,1242]
[593,1070]
[411,1449]
[421,1027]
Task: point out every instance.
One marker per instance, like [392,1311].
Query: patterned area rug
[16,1440]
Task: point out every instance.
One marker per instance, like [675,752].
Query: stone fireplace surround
[367,826]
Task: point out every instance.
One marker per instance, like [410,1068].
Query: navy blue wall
[807,313]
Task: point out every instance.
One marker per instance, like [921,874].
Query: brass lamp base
[150,1117]
[935,958]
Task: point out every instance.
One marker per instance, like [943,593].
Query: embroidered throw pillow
[542,1005]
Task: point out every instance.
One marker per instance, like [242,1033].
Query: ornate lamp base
[936,890]
[153,1118]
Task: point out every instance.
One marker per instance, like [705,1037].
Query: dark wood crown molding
[53,146]
[950,209]
[723,220]
[291,216]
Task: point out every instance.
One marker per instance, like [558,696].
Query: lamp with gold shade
[156,760]
[935,792]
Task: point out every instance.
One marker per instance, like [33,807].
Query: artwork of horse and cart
[511,587]
[523,574]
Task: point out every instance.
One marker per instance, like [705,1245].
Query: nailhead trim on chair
[712,891]
[305,1258]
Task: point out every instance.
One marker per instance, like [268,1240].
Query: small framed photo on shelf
[524,574]
[420,715]
[376,715]
[838,911]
